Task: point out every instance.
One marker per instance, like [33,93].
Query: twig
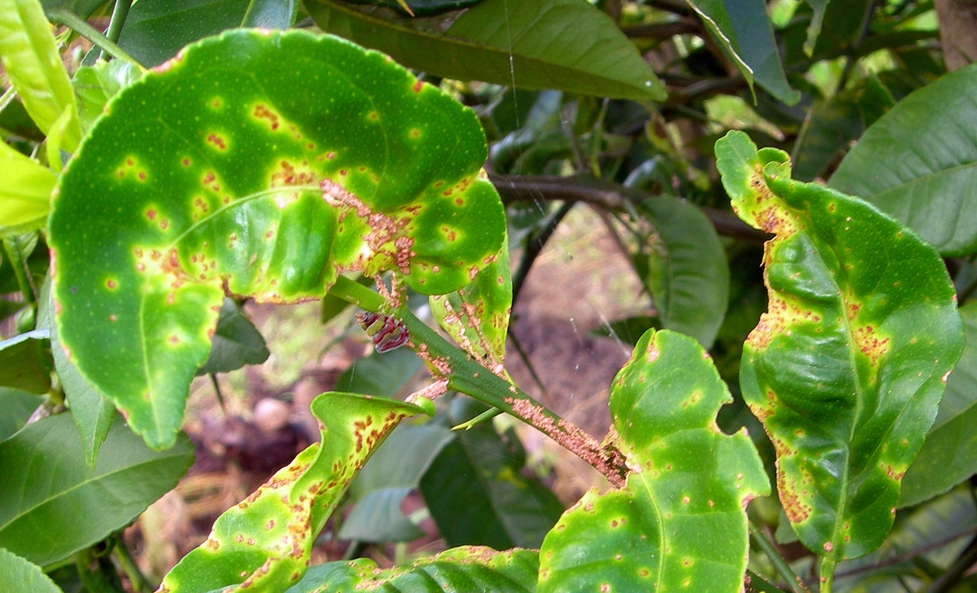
[62,16]
[794,582]
[140,584]
[610,196]
[534,246]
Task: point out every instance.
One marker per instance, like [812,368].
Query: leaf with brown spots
[264,543]
[222,173]
[680,522]
[467,568]
[847,366]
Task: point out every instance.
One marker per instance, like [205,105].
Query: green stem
[21,271]
[469,377]
[760,585]
[119,14]
[140,584]
[827,574]
[90,573]
[69,19]
[793,581]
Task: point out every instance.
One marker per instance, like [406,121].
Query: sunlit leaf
[919,163]
[680,522]
[95,85]
[847,366]
[265,542]
[239,175]
[25,196]
[52,504]
[459,569]
[743,30]
[34,68]
[498,40]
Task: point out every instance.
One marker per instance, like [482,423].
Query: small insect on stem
[387,333]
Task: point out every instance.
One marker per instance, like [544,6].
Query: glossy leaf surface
[919,163]
[497,40]
[949,455]
[743,30]
[687,274]
[155,30]
[238,175]
[847,366]
[264,543]
[17,574]
[34,68]
[459,569]
[25,362]
[680,522]
[25,197]
[52,504]
[385,481]
[477,316]
[476,490]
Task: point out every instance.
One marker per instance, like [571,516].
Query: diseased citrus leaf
[687,274]
[476,491]
[25,361]
[743,30]
[52,504]
[387,478]
[680,522]
[155,30]
[265,542]
[918,163]
[17,574]
[498,41]
[224,172]
[847,366]
[949,454]
[25,197]
[467,568]
[237,342]
[477,316]
[33,66]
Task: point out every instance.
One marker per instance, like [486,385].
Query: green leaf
[743,30]
[498,41]
[688,277]
[83,8]
[949,454]
[25,197]
[477,493]
[384,375]
[17,574]
[477,316]
[155,30]
[238,175]
[421,7]
[847,367]
[25,362]
[237,342]
[387,478]
[52,504]
[265,542]
[34,67]
[15,408]
[467,568]
[95,85]
[918,163]
[680,522]
[814,28]
[92,413]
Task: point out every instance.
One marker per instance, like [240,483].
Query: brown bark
[958,31]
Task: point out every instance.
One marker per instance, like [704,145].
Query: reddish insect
[387,333]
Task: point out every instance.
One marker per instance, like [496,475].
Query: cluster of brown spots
[796,510]
[892,472]
[870,344]
[289,174]
[852,310]
[217,141]
[261,111]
